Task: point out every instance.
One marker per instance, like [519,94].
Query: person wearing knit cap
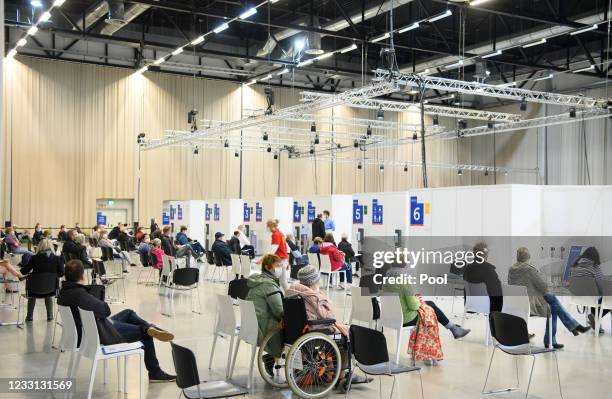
[317,305]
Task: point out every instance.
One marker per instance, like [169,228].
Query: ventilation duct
[116,13]
[314,41]
[99,10]
[130,14]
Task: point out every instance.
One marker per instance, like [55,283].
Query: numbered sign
[207,213]
[258,212]
[171,212]
[100,218]
[246,213]
[357,212]
[417,212]
[311,212]
[179,211]
[297,214]
[165,219]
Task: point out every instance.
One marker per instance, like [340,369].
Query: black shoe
[50,318]
[580,329]
[10,291]
[132,264]
[28,319]
[556,346]
[162,376]
[269,364]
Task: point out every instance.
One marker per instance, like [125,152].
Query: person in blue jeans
[182,239]
[542,303]
[12,242]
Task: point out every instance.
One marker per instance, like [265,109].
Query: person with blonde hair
[279,248]
[45,261]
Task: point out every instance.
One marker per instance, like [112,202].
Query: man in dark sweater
[221,250]
[76,250]
[484,272]
[126,324]
[318,227]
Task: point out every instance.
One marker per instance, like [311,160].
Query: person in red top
[336,258]
[279,248]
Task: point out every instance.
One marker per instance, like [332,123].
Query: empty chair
[326,268]
[68,341]
[186,279]
[392,317]
[146,260]
[236,265]
[516,302]
[164,278]
[477,301]
[91,349]
[224,327]
[248,334]
[512,337]
[369,348]
[361,307]
[313,259]
[107,280]
[245,266]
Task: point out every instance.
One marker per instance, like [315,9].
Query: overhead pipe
[500,45]
[335,25]
[101,9]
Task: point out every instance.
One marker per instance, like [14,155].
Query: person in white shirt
[245,244]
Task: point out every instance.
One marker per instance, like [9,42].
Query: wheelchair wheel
[278,379]
[313,365]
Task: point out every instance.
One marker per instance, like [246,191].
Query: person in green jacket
[266,295]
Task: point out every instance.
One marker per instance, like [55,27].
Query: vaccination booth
[256,212]
[305,210]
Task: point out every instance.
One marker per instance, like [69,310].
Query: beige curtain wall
[70,138]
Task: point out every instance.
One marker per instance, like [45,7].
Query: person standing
[318,227]
[330,225]
[279,248]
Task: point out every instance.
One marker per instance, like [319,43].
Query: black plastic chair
[512,337]
[185,279]
[42,285]
[369,348]
[218,262]
[238,288]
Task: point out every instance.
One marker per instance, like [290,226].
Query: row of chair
[323,263]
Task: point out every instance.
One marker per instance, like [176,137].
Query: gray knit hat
[308,275]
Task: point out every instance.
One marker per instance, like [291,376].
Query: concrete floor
[585,363]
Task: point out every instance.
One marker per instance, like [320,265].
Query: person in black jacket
[114,233]
[38,234]
[347,248]
[221,249]
[234,243]
[484,272]
[154,226]
[318,227]
[177,251]
[126,324]
[74,249]
[62,235]
[45,261]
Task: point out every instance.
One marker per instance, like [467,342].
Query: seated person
[125,239]
[295,256]
[140,233]
[245,243]
[45,261]
[541,303]
[62,234]
[76,250]
[588,265]
[317,305]
[177,251]
[485,273]
[126,324]
[38,234]
[158,253]
[144,247]
[336,258]
[426,345]
[104,242]
[315,247]
[234,243]
[12,242]
[221,250]
[183,239]
[266,295]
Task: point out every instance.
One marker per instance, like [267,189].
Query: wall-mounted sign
[216,213]
[179,212]
[207,213]
[258,212]
[171,212]
[100,218]
[297,214]
[246,213]
[357,212]
[311,212]
[418,210]
[377,212]
[165,219]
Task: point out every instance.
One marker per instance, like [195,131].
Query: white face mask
[278,272]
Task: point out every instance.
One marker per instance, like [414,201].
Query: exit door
[114,216]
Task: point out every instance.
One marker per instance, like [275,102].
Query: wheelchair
[311,362]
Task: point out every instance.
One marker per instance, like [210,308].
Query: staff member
[279,248]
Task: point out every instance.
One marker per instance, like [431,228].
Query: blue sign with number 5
[357,212]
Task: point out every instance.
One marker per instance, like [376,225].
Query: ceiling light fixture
[221,28]
[493,54]
[142,70]
[250,82]
[305,63]
[11,53]
[381,37]
[380,113]
[248,13]
[36,3]
[523,104]
[197,40]
[58,3]
[349,48]
[323,56]
[589,68]
[541,41]
[477,2]
[409,27]
[283,71]
[445,14]
[587,29]
[177,51]
[549,76]
[32,31]
[265,78]
[44,17]
[572,112]
[455,65]
[159,61]
[21,42]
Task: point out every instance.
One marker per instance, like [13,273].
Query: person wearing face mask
[266,295]
[330,225]
[279,248]
[38,234]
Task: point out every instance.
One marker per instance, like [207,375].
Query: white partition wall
[224,216]
[305,210]
[380,214]
[190,213]
[256,213]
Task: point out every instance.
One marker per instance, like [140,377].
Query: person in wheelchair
[266,295]
[317,305]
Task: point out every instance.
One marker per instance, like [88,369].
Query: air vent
[116,13]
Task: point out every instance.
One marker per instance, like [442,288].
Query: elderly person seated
[541,303]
